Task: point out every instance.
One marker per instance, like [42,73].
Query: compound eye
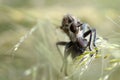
[73,28]
[69,21]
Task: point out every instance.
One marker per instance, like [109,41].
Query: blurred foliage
[33,27]
[103,4]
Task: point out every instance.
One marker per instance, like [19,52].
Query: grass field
[28,37]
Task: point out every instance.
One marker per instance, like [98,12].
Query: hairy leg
[62,43]
[66,54]
[89,32]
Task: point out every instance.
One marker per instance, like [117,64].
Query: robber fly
[77,33]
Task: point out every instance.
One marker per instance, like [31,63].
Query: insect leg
[66,54]
[94,39]
[62,43]
[85,27]
[89,32]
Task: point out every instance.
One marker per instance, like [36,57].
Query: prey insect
[77,33]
